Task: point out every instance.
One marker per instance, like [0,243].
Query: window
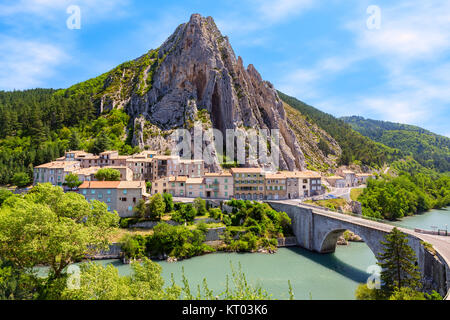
[108,191]
[84,192]
[100,196]
[125,191]
[108,200]
[226,194]
[92,191]
[124,199]
[109,208]
[130,208]
[226,180]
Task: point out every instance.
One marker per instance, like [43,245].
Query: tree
[398,263]
[74,141]
[200,206]
[105,283]
[101,143]
[52,228]
[72,181]
[4,194]
[140,209]
[168,200]
[21,179]
[188,212]
[107,174]
[156,208]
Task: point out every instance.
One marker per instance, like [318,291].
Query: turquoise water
[439,218]
[312,275]
[316,276]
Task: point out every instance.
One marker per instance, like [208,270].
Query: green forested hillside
[427,148]
[37,126]
[354,145]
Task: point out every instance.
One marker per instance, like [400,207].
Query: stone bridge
[318,230]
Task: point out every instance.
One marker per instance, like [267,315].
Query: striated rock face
[195,78]
[199,70]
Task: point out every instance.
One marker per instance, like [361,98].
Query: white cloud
[24,64]
[411,49]
[413,30]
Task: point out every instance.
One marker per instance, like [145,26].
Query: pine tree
[101,143]
[398,263]
[74,142]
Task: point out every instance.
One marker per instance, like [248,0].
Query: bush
[215,213]
[125,222]
[133,247]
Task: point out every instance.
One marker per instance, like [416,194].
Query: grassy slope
[427,148]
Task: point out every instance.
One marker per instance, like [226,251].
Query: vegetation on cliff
[429,149]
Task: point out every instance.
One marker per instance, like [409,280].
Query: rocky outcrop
[196,69]
[196,78]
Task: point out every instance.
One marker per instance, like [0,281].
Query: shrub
[133,246]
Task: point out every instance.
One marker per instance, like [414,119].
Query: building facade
[54,172]
[120,196]
[248,183]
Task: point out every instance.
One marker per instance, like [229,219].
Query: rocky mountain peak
[196,71]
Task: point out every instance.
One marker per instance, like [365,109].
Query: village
[183,179]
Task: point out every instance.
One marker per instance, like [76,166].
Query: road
[440,243]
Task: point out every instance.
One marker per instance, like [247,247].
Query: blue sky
[321,52]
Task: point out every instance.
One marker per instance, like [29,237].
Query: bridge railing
[353,215]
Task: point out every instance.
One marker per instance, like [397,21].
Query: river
[313,276]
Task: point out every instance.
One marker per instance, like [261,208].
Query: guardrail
[435,233]
[351,214]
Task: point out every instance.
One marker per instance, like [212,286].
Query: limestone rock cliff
[195,76]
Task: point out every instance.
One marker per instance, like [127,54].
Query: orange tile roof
[131,184]
[218,174]
[194,181]
[277,175]
[302,174]
[178,179]
[58,164]
[335,178]
[246,170]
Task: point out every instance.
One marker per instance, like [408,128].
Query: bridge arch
[329,231]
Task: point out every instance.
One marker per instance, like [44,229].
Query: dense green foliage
[354,146]
[31,128]
[37,126]
[107,174]
[167,240]
[427,148]
[258,224]
[49,227]
[184,212]
[395,197]
[72,181]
